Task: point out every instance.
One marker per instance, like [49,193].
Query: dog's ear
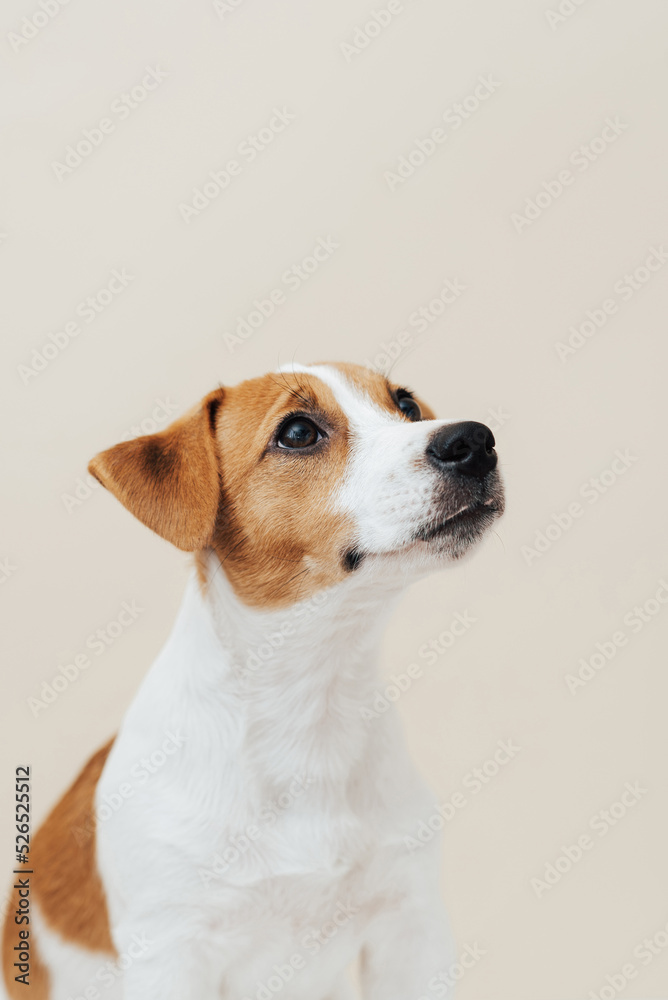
[170,480]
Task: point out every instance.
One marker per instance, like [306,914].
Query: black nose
[467,448]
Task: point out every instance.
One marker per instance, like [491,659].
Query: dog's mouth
[477,516]
[457,531]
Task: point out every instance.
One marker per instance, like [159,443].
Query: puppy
[244,835]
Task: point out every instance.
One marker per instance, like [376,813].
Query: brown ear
[170,480]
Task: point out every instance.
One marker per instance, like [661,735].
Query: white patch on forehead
[388,487]
[360,409]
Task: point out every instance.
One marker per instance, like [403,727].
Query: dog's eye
[298,433]
[410,407]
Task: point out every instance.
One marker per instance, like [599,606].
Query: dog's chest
[304,923]
[294,840]
[300,867]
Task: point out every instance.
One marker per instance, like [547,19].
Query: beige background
[162,339]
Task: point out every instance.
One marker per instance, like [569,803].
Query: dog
[244,835]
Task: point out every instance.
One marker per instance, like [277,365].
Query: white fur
[283,814]
[252,736]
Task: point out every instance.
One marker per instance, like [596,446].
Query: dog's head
[303,478]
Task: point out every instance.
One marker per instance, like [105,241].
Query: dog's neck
[303,674]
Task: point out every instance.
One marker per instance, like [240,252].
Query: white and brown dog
[262,852]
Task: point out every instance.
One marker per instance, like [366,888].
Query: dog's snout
[467,448]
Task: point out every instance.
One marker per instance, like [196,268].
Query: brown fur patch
[65,885]
[169,480]
[277,536]
[64,848]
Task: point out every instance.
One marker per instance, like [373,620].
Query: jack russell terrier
[243,835]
